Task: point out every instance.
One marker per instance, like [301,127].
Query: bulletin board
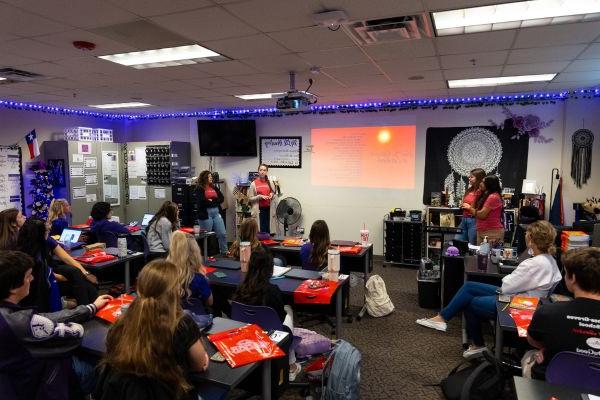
[11,178]
[281,151]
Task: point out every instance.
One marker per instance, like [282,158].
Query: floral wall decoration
[524,125]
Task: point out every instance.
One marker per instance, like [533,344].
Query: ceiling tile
[421,94]
[280,63]
[312,38]
[554,35]
[47,69]
[584,65]
[544,54]
[536,68]
[205,24]
[335,57]
[64,41]
[225,68]
[198,92]
[211,83]
[470,91]
[281,15]
[11,60]
[359,70]
[246,47]
[80,13]
[39,50]
[86,65]
[22,23]
[179,72]
[361,10]
[259,79]
[410,64]
[475,42]
[148,8]
[400,50]
[232,91]
[474,60]
[443,5]
[578,76]
[522,88]
[469,73]
[591,52]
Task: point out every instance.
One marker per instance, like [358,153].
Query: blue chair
[574,369]
[265,317]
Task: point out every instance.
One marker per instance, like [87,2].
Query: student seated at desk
[161,227]
[11,220]
[533,277]
[106,231]
[568,325]
[195,289]
[257,290]
[57,216]
[155,346]
[248,232]
[314,253]
[35,348]
[34,240]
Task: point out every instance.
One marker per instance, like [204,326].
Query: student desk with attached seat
[533,389]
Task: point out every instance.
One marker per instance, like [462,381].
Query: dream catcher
[581,159]
[471,148]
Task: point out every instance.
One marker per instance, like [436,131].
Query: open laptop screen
[147,218]
[72,235]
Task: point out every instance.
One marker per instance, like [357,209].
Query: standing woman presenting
[488,210]
[209,208]
[472,194]
[261,195]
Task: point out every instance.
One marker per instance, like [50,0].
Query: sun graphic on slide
[384,136]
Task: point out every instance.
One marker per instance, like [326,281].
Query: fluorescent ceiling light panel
[167,57]
[2,79]
[499,81]
[120,105]
[258,96]
[514,15]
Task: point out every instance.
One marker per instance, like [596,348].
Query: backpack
[341,374]
[311,343]
[479,379]
[377,301]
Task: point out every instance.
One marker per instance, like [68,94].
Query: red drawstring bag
[245,345]
[313,291]
[112,310]
[522,320]
[187,230]
[350,249]
[95,257]
[208,270]
[269,242]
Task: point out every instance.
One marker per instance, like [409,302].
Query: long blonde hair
[56,210]
[248,232]
[184,253]
[141,343]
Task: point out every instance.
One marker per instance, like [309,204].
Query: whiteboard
[281,151]
[111,186]
[10,178]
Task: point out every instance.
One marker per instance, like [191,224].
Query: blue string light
[328,108]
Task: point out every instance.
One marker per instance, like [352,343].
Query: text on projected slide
[372,156]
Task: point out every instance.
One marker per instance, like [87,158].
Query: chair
[265,317]
[574,369]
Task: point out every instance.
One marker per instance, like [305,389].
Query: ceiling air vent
[16,75]
[392,29]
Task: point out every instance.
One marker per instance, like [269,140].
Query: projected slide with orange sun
[371,156]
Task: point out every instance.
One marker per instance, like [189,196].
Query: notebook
[303,274]
[349,243]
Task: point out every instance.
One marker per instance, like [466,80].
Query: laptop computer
[297,273]
[225,263]
[146,220]
[71,235]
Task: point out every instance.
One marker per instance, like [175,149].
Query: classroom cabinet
[402,242]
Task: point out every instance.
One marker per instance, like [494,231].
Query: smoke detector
[331,19]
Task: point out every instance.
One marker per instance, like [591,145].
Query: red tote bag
[313,291]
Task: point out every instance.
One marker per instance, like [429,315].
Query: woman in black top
[257,290]
[210,199]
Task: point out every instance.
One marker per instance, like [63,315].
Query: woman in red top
[467,224]
[209,208]
[488,211]
[261,194]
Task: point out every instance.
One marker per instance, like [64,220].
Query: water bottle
[122,245]
[333,264]
[482,255]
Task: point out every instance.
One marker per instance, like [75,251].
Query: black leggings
[84,291]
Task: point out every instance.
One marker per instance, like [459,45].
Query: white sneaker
[295,369]
[473,351]
[427,322]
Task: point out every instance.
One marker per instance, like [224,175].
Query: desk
[203,235]
[532,389]
[221,374]
[108,264]
[234,277]
[504,322]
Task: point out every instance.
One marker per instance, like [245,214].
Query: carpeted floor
[399,356]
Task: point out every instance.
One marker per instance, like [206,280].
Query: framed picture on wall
[281,151]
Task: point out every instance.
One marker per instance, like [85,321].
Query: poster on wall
[281,151]
[111,191]
[451,153]
[10,178]
[84,148]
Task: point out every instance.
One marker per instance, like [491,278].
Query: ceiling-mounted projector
[294,100]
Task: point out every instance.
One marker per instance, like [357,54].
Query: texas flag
[34,148]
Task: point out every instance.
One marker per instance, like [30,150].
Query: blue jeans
[477,301]
[469,230]
[215,223]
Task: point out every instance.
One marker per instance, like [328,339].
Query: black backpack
[481,378]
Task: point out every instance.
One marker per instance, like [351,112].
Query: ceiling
[264,40]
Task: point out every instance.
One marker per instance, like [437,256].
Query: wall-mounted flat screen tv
[227,138]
